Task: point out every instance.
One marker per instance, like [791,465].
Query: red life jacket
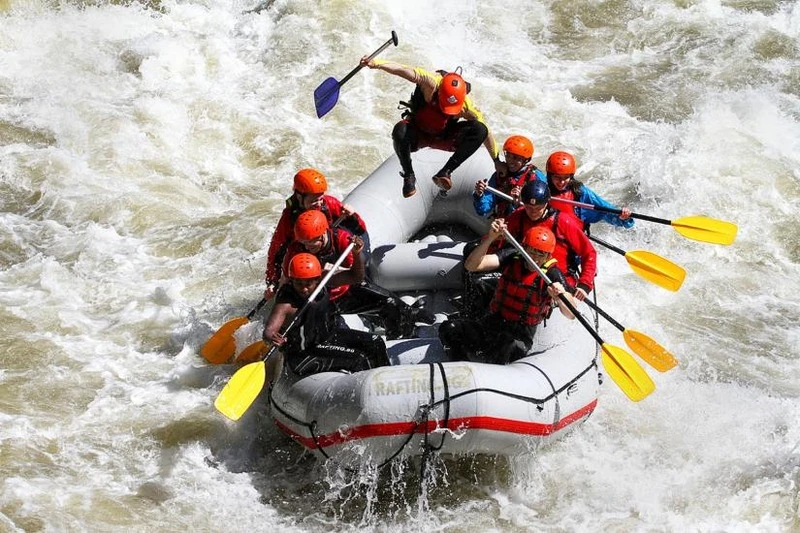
[521,295]
[338,239]
[430,120]
[502,208]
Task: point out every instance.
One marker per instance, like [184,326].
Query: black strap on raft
[429,448]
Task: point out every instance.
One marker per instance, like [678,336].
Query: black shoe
[422,315]
[393,332]
[409,185]
[443,181]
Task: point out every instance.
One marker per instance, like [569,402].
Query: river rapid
[145,154]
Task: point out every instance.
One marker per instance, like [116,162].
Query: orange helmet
[452,92]
[304,266]
[519,145]
[560,163]
[540,238]
[310,181]
[310,225]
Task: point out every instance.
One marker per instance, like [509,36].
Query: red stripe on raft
[454,424]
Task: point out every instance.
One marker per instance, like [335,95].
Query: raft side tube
[390,218]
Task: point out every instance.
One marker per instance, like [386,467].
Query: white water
[144,158]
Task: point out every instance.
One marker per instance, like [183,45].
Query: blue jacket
[590,216]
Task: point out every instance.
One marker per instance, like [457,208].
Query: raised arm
[479,260]
[355,274]
[392,67]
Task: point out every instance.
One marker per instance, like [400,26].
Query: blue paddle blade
[326,96]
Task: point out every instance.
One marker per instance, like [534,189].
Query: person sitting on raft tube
[310,186]
[440,115]
[561,180]
[521,301]
[314,235]
[316,344]
[519,170]
[574,251]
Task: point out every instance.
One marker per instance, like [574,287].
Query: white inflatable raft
[425,402]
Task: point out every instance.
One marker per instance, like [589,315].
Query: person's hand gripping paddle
[327,94]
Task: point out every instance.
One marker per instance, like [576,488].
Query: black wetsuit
[316,344]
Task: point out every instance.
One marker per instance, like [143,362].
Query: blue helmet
[538,191]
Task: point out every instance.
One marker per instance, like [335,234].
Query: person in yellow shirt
[440,115]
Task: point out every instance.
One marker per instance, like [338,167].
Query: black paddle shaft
[604,315]
[257,308]
[385,45]
[620,251]
[613,211]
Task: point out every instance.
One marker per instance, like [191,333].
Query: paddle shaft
[338,220]
[504,196]
[608,245]
[605,315]
[501,194]
[257,308]
[510,238]
[311,298]
[612,210]
[383,47]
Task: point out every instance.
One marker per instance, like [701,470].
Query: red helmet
[560,163]
[540,238]
[310,181]
[519,145]
[304,266]
[310,225]
[452,92]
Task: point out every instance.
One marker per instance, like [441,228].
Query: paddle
[698,228]
[254,352]
[222,346]
[645,347]
[650,266]
[246,384]
[620,365]
[327,94]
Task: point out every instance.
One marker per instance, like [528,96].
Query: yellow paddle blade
[656,269]
[252,353]
[649,350]
[242,390]
[221,346]
[706,229]
[626,372]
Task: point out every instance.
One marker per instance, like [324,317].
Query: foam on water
[145,152]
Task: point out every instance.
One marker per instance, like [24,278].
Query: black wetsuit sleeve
[287,295]
[556,276]
[506,254]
